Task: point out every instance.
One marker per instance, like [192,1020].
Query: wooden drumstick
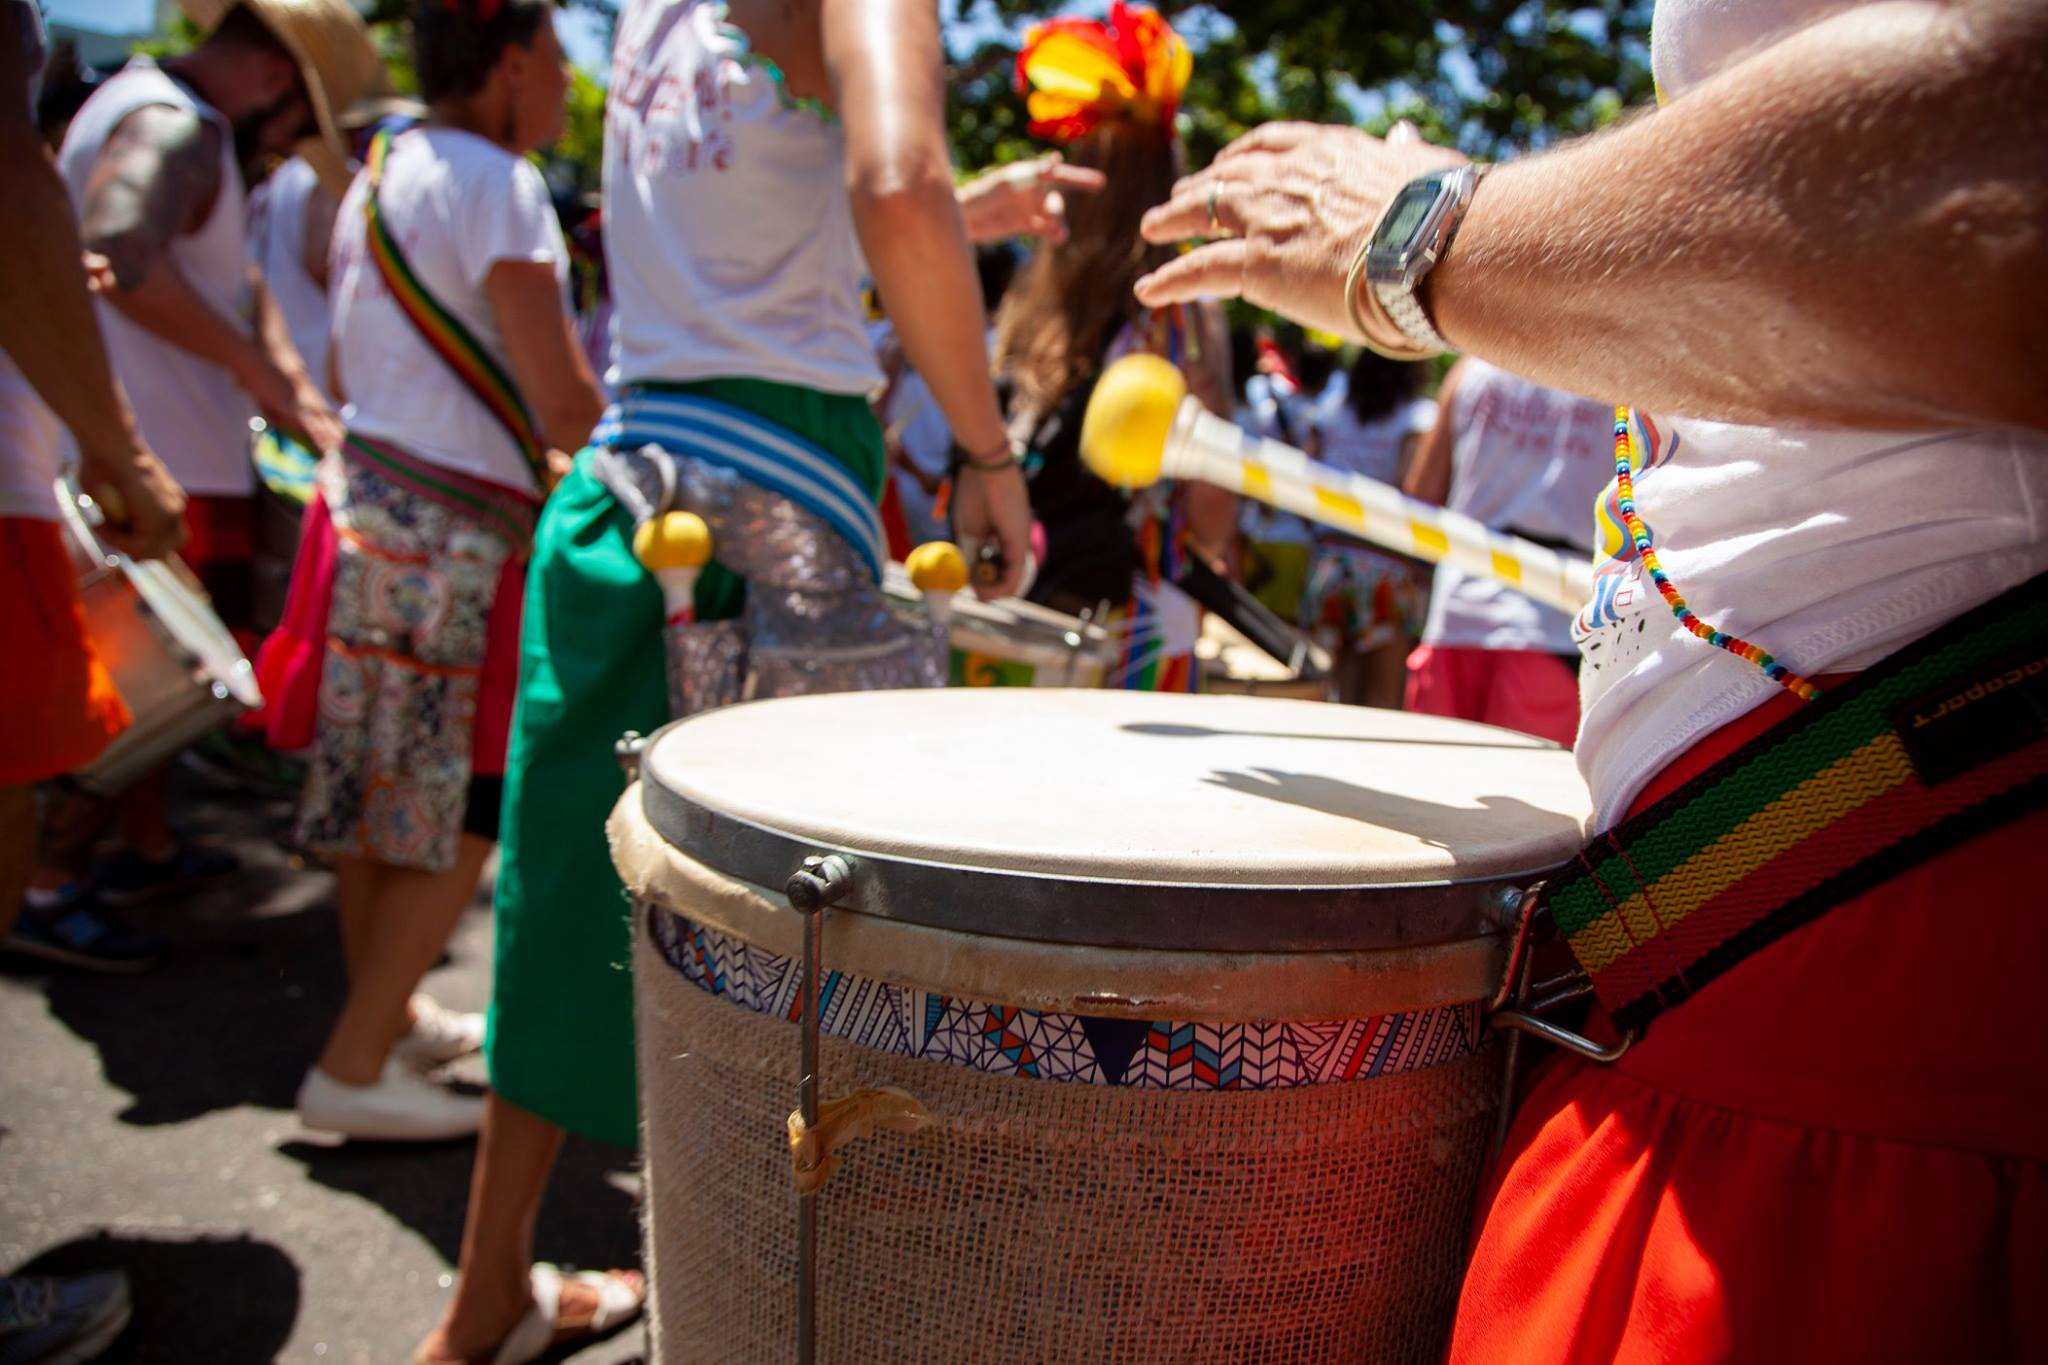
[1142,426]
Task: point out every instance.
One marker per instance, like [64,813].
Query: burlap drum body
[1142,1215]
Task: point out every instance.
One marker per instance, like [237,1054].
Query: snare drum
[1187,989]
[1011,642]
[176,666]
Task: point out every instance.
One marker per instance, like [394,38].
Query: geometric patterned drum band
[1008,1041]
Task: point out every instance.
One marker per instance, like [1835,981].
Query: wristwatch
[1411,237]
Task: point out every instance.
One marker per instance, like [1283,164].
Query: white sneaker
[438,1035]
[398,1108]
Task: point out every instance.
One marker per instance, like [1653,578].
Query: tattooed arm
[156,180]
[48,328]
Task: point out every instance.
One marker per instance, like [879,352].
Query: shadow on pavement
[586,1220]
[228,1300]
[250,983]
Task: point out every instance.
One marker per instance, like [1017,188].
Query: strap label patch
[1966,722]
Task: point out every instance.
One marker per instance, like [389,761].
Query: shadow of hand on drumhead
[1438,824]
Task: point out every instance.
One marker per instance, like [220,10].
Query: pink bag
[289,664]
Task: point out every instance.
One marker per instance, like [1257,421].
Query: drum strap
[1933,744]
[466,357]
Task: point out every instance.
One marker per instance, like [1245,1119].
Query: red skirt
[1837,1151]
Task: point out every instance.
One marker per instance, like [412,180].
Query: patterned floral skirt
[401,681]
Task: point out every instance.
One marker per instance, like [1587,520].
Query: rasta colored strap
[444,332]
[1943,739]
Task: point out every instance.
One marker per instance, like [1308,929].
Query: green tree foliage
[1491,76]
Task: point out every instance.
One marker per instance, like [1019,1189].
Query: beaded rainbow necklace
[1624,453]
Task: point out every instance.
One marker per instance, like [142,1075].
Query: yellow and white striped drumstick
[1141,426]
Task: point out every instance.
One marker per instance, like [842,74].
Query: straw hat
[336,62]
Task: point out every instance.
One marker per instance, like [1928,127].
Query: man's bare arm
[155,181]
[1849,227]
[48,329]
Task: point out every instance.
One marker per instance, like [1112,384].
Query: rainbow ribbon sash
[1943,739]
[444,332]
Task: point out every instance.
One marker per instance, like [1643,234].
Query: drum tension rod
[814,888]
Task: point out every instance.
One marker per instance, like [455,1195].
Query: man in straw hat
[155,161]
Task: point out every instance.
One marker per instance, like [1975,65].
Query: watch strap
[1406,312]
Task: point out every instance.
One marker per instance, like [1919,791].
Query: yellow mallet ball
[937,566]
[674,540]
[1123,434]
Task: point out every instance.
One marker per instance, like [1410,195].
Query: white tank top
[1526,459]
[191,412]
[726,224]
[277,242]
[1830,549]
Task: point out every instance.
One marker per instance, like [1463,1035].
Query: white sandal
[534,1335]
[617,1305]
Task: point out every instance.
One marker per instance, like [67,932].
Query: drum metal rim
[1098,912]
[1192,986]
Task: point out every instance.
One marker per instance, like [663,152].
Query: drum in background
[1011,642]
[1233,666]
[173,661]
[1188,989]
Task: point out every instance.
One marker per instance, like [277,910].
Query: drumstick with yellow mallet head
[938,570]
[1142,426]
[675,545]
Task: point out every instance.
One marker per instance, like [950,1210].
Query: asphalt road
[146,1122]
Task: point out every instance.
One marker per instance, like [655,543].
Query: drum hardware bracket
[1518,1004]
[813,888]
[632,746]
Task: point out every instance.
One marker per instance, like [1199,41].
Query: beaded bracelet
[1625,498]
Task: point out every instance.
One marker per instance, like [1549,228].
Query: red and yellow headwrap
[1081,73]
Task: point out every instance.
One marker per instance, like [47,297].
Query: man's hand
[145,508]
[289,401]
[994,504]
[1024,199]
[1285,207]
[315,419]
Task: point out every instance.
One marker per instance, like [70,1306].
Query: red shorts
[58,706]
[1837,1151]
[1520,689]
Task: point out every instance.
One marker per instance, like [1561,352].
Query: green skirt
[591,666]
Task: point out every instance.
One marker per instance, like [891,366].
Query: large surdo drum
[1184,991]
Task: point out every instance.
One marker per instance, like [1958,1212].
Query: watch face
[1411,206]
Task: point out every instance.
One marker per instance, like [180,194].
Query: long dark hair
[457,43]
[1069,300]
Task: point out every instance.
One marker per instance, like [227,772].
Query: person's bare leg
[72,823]
[17,849]
[515,1154]
[1385,673]
[408,925]
[143,817]
[355,893]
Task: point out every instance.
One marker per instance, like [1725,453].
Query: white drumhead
[1135,786]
